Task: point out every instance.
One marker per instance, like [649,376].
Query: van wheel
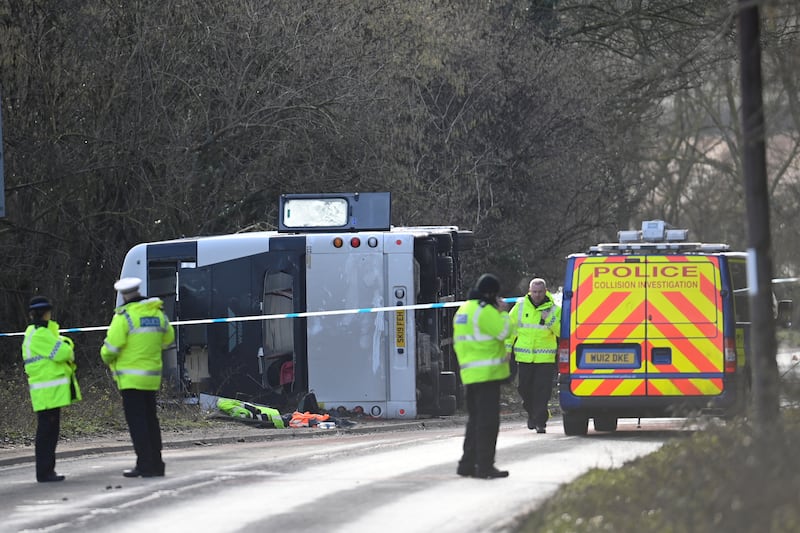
[575,424]
[605,423]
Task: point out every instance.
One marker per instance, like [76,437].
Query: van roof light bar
[653,231]
[656,247]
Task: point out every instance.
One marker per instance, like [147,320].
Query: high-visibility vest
[537,329]
[240,409]
[50,365]
[479,332]
[135,339]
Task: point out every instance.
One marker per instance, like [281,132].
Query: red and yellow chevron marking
[670,303]
[608,387]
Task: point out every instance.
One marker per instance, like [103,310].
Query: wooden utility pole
[763,346]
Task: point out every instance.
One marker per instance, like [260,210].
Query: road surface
[389,481]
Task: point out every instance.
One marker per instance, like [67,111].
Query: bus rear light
[563,356]
[338,242]
[730,355]
[355,242]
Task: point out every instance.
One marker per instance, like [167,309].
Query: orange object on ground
[307,419]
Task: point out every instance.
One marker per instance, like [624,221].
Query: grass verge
[98,413]
[724,478]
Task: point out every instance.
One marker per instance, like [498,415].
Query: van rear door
[684,326]
[608,327]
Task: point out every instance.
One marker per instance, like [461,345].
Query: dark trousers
[483,423]
[142,418]
[535,386]
[47,431]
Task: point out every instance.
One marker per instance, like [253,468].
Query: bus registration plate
[400,329]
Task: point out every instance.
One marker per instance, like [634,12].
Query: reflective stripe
[137,372]
[503,334]
[127,317]
[478,336]
[55,349]
[485,362]
[26,346]
[535,326]
[148,329]
[482,337]
[48,384]
[476,330]
[536,350]
[110,347]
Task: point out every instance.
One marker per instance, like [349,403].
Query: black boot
[50,477]
[465,469]
[490,473]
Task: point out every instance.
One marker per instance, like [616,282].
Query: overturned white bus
[331,252]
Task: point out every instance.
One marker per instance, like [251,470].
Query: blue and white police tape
[284,315]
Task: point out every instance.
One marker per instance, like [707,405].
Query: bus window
[278,334]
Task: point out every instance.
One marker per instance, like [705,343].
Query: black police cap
[488,284]
[39,303]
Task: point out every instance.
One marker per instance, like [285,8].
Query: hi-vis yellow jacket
[479,332]
[50,365]
[537,329]
[132,349]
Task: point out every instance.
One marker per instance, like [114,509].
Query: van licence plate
[610,356]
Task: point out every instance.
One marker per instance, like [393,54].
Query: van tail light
[563,356]
[730,355]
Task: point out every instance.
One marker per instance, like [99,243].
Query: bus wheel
[605,423]
[447,405]
[575,424]
[447,383]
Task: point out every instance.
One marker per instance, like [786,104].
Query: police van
[652,326]
[333,260]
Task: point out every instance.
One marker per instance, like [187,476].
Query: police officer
[49,360]
[537,321]
[480,327]
[132,349]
